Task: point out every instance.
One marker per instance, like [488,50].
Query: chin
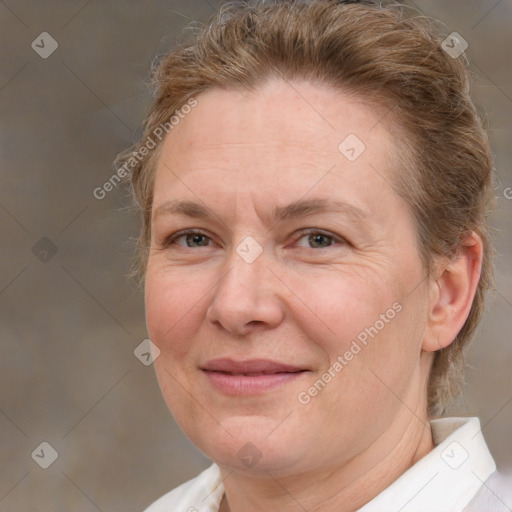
[252,445]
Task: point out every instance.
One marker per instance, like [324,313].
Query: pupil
[195,238]
[316,237]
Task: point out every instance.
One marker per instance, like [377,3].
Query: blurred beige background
[70,319]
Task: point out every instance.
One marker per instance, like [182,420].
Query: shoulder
[199,493]
[495,495]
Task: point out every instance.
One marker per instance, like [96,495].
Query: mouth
[250,367]
[254,374]
[251,377]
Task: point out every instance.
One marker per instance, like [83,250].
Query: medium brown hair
[389,58]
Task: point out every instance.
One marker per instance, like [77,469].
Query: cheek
[170,309]
[368,323]
[340,305]
[170,319]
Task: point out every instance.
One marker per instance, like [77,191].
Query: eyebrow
[296,209]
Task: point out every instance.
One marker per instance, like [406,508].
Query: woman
[314,182]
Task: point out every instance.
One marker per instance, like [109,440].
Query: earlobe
[452,294]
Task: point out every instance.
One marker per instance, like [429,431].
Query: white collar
[445,480]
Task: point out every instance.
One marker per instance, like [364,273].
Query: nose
[248,296]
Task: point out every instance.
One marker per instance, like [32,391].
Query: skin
[301,302]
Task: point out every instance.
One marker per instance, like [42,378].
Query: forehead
[275,112]
[282,137]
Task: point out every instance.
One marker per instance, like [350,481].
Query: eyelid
[318,231]
[299,234]
[168,240]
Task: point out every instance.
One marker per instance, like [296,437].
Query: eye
[316,239]
[191,238]
[320,239]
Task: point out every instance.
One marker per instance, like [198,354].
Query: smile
[252,377]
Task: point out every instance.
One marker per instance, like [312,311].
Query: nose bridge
[247,265]
[245,294]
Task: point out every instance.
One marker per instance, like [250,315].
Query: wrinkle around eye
[336,241]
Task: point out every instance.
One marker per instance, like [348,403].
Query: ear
[452,294]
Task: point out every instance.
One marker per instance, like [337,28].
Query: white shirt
[454,477]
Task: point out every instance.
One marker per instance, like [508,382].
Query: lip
[250,377]
[265,366]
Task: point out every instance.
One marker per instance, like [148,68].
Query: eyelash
[311,231]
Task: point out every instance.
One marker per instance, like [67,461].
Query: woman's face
[290,336]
